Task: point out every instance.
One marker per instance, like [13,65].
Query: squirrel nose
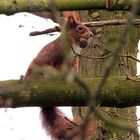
[91,34]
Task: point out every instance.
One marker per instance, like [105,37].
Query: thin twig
[89,24]
[129,56]
[111,22]
[117,123]
[104,57]
[128,77]
[47,31]
[120,116]
[71,121]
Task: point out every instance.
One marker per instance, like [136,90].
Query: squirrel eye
[80,28]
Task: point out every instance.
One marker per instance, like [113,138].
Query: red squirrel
[53,54]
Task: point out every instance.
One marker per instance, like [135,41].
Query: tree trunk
[106,40]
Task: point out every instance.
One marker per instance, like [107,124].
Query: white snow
[138,57]
[17,50]
[138,75]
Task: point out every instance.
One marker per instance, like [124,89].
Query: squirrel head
[78,33]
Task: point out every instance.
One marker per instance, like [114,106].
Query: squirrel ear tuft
[72,18]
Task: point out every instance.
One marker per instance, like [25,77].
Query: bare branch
[50,30]
[111,22]
[129,56]
[90,24]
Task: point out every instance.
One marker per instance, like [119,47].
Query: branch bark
[118,92]
[14,6]
[89,24]
[111,22]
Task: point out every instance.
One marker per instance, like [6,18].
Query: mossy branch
[118,92]
[14,6]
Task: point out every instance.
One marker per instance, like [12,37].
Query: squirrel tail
[54,122]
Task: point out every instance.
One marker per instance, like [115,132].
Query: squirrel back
[54,55]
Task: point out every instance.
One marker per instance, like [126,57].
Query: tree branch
[50,30]
[14,6]
[118,92]
[111,22]
[89,24]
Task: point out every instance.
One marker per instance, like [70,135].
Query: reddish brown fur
[73,14]
[88,131]
[54,55]
[50,55]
